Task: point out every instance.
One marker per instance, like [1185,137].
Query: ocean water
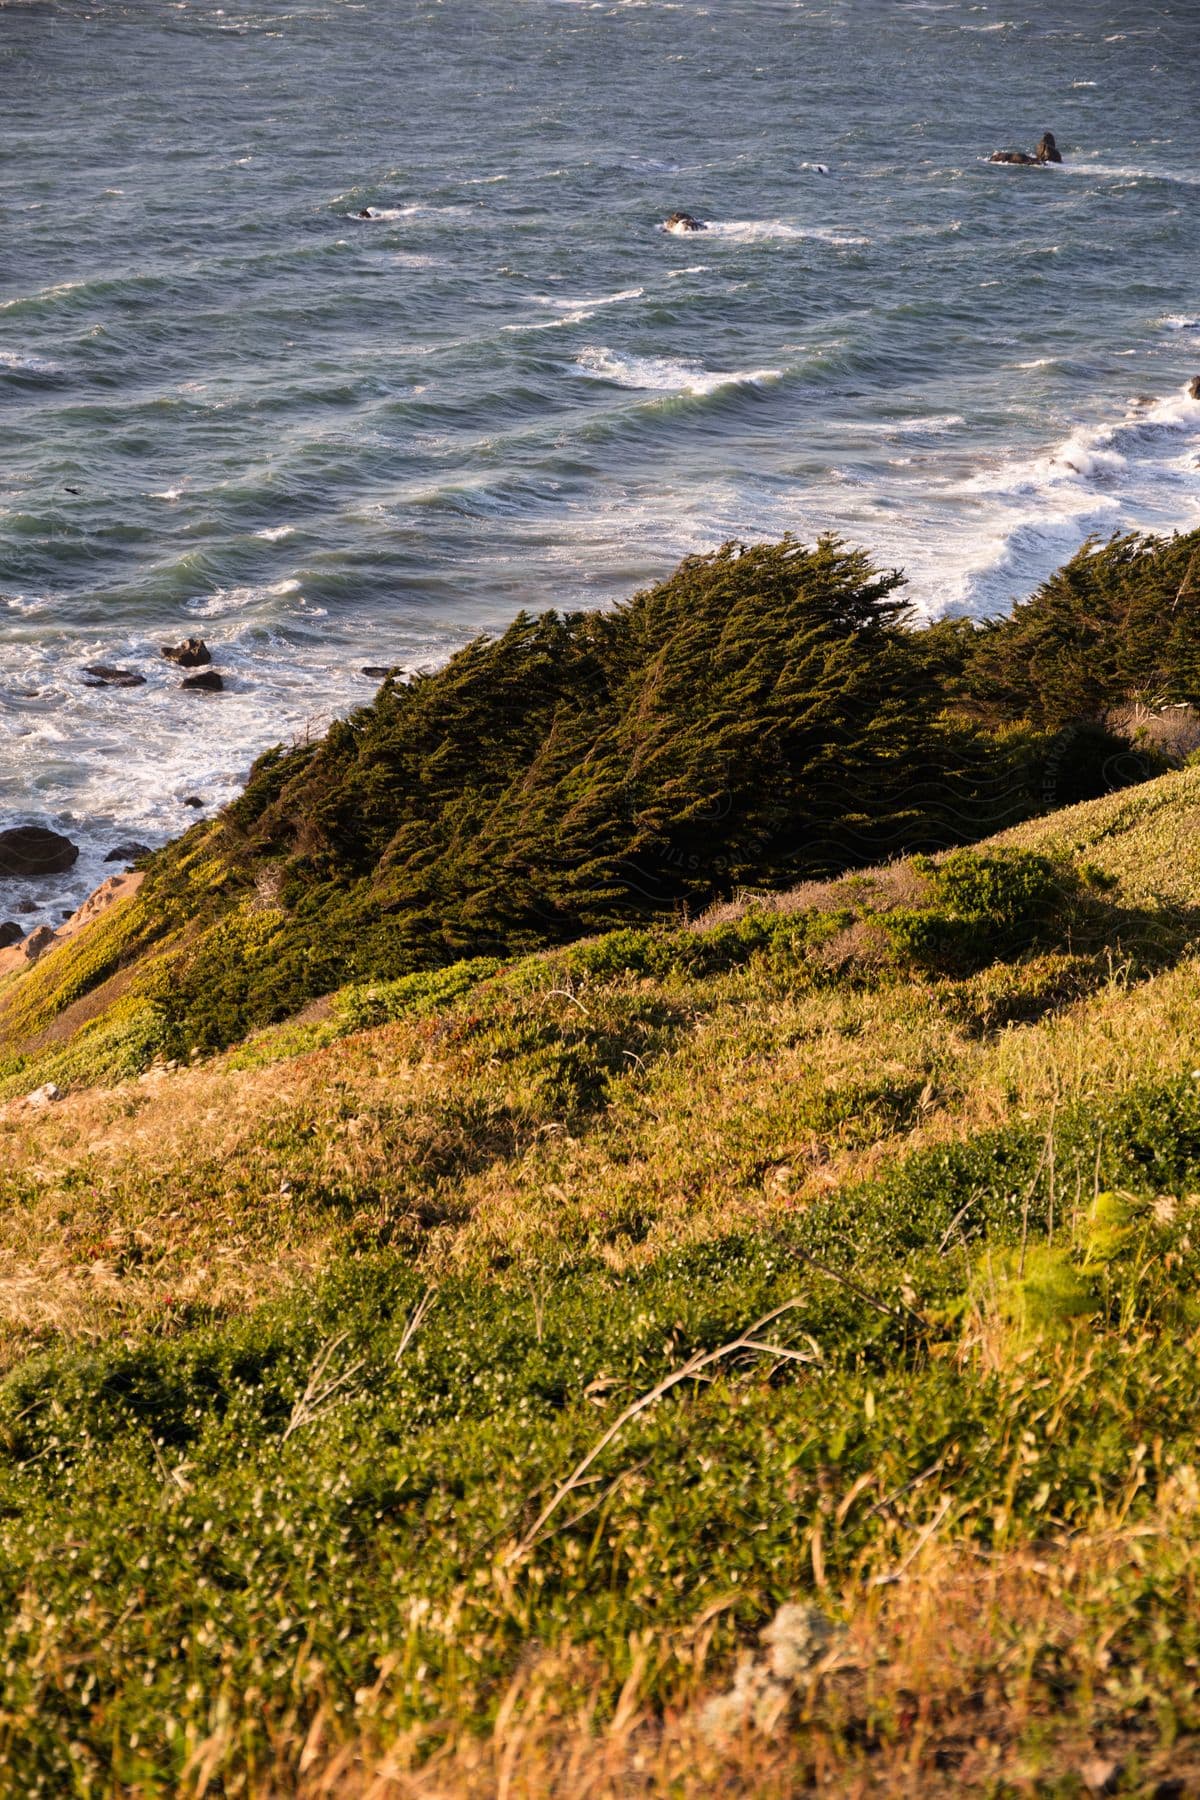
[229,406]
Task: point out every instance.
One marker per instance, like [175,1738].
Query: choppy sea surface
[231,407]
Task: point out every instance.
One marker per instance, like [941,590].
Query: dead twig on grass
[694,1366]
[414,1321]
[320,1388]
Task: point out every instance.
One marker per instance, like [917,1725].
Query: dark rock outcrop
[10,933]
[27,851]
[101,675]
[206,682]
[193,653]
[1046,152]
[127,853]
[1194,387]
[40,939]
[682,221]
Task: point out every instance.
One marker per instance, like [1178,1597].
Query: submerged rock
[206,682]
[127,852]
[101,675]
[682,221]
[31,850]
[191,654]
[1194,387]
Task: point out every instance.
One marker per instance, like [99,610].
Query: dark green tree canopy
[764,713]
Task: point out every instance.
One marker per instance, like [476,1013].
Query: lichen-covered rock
[763,1687]
[796,1638]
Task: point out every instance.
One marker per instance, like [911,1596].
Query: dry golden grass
[971,1672]
[216,1186]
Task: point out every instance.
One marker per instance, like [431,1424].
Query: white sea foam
[1179,322]
[233,600]
[1126,172]
[665,374]
[54,292]
[18,364]
[389,214]
[173,493]
[1025,515]
[922,424]
[273,533]
[573,312]
[766,231]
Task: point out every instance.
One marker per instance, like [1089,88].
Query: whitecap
[1127,172]
[273,533]
[17,364]
[665,374]
[575,311]
[764,231]
[174,493]
[224,601]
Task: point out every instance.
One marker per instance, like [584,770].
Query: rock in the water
[1046,152]
[193,653]
[1194,387]
[101,675]
[27,851]
[376,671]
[127,852]
[10,933]
[682,221]
[193,800]
[206,682]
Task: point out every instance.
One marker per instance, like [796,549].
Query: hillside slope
[304,1343]
[766,713]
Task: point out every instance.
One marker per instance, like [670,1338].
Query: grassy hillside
[765,714]
[329,1462]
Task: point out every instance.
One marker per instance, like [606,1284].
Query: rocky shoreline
[22,952]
